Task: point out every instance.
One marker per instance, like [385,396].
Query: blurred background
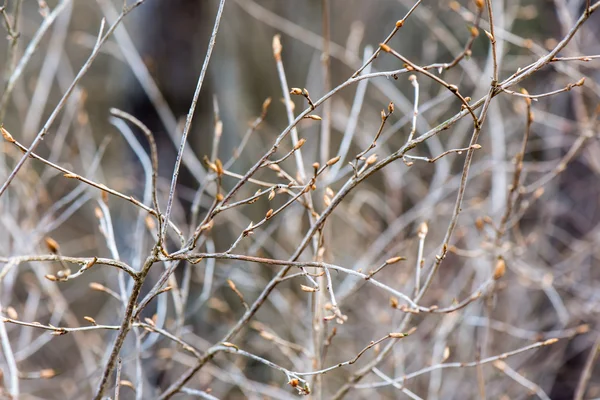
[149,68]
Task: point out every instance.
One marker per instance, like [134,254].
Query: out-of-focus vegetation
[372,199]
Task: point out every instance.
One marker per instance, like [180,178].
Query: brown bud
[7,136]
[266,104]
[333,161]
[300,143]
[97,286]
[52,245]
[219,167]
[479,223]
[47,373]
[446,353]
[385,47]
[277,47]
[11,312]
[394,260]
[294,382]
[500,269]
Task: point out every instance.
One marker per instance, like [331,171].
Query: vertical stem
[326,122]
[190,117]
[11,56]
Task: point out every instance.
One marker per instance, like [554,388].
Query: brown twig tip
[385,47]
[549,342]
[474,31]
[90,320]
[400,335]
[265,105]
[231,345]
[11,312]
[97,286]
[269,214]
[333,161]
[500,269]
[277,47]
[6,135]
[296,91]
[394,260]
[313,117]
[308,289]
[300,143]
[47,373]
[580,82]
[52,245]
[126,383]
[479,4]
[423,229]
[391,108]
